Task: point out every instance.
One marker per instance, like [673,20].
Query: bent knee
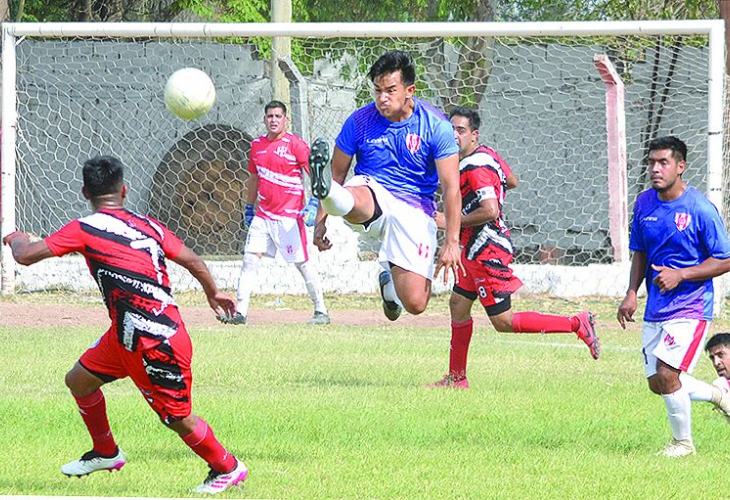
[415,307]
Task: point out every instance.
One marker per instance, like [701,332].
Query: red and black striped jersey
[483,177]
[126,253]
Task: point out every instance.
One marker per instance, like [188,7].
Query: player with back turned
[147,340]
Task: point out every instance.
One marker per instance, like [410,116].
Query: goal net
[577,146]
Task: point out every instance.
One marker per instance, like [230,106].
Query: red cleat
[587,333]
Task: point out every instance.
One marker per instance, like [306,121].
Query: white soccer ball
[189,93]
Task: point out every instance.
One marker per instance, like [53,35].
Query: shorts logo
[413,141]
[669,341]
[682,220]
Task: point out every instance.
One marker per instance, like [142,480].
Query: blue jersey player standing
[679,244]
[403,148]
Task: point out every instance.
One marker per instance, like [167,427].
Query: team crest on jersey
[682,220]
[281,150]
[413,141]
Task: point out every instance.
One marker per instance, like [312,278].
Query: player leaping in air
[404,147]
[147,340]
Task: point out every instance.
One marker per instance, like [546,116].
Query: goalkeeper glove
[309,212]
[248,215]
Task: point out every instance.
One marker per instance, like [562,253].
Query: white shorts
[266,236]
[406,233]
[677,342]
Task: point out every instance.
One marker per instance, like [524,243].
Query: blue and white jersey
[678,234]
[400,155]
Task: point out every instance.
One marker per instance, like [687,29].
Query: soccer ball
[189,93]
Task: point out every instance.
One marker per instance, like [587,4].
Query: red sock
[532,322]
[460,338]
[93,411]
[203,442]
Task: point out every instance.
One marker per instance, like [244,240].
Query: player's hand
[15,234]
[440,219]
[248,216]
[223,304]
[320,240]
[667,279]
[309,212]
[450,260]
[626,310]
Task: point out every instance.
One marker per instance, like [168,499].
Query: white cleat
[91,461]
[678,448]
[217,482]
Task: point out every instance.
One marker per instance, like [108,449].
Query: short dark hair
[679,148]
[717,340]
[390,62]
[103,175]
[275,104]
[474,120]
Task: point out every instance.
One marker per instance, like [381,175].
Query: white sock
[245,281]
[679,411]
[697,389]
[311,281]
[339,201]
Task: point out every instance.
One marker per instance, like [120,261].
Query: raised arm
[26,252]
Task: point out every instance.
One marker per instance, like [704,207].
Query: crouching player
[147,340]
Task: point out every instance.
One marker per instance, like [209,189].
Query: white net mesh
[541,100]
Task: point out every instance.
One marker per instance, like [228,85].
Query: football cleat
[319,157]
[238,319]
[678,448]
[450,381]
[391,308]
[587,333]
[91,461]
[217,482]
[319,318]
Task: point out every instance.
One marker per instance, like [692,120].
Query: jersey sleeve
[346,139]
[66,240]
[301,153]
[636,240]
[443,140]
[251,154]
[715,235]
[171,244]
[485,183]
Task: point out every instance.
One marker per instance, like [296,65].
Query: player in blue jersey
[679,244]
[404,147]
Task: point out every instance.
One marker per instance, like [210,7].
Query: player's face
[275,121]
[665,170]
[467,138]
[392,98]
[720,357]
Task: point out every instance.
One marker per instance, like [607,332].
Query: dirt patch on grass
[50,315]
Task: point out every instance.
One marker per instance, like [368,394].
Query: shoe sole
[319,156]
[595,345]
[229,321]
[114,468]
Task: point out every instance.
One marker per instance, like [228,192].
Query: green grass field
[341,412]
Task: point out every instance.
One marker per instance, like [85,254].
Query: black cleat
[319,157]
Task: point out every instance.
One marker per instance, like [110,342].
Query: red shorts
[161,372]
[491,281]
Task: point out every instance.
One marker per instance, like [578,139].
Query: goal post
[74,90]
